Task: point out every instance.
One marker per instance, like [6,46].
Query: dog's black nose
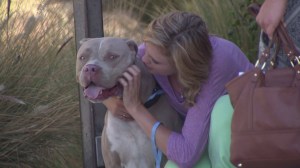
[90,68]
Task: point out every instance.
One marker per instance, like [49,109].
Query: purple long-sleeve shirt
[228,60]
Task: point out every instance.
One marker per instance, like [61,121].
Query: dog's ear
[84,40]
[132,45]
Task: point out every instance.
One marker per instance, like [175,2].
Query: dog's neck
[147,81]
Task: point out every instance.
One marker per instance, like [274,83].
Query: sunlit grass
[39,114]
[228,19]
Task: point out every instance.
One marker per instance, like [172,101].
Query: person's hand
[270,14]
[131,81]
[116,107]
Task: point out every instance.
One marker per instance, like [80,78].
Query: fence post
[88,23]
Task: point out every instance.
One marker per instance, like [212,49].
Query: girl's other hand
[116,107]
[270,14]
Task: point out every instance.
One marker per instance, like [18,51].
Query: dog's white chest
[130,142]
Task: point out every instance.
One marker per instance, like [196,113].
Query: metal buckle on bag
[256,63]
[263,65]
[297,60]
[264,54]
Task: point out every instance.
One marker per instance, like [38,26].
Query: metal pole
[89,24]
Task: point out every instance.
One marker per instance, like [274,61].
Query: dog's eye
[81,57]
[113,57]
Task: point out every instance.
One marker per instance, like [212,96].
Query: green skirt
[218,153]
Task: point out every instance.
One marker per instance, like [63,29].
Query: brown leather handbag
[266,119]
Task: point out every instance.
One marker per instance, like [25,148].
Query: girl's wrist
[136,109]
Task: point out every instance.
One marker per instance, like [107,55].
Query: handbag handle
[288,45]
[281,37]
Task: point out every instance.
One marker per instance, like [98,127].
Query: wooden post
[89,24]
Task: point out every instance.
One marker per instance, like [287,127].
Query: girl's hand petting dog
[131,81]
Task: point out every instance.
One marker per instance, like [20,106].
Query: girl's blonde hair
[185,40]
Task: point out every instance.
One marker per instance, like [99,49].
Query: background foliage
[39,108]
[39,118]
[228,19]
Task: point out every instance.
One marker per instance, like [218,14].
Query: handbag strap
[288,45]
[281,38]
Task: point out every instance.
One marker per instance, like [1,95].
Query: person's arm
[131,84]
[116,107]
[270,14]
[184,149]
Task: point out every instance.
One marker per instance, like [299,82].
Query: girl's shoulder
[219,43]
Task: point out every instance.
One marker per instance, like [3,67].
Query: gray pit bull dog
[100,62]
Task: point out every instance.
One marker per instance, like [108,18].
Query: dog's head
[100,62]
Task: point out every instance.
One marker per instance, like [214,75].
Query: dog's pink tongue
[92,92]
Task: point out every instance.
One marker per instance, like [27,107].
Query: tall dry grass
[39,114]
[228,19]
